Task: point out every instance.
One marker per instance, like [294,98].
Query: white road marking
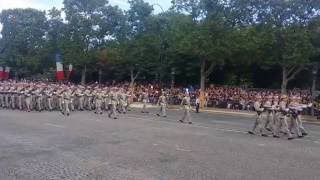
[55,125]
[182,149]
[206,127]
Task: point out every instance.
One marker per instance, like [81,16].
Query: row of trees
[191,40]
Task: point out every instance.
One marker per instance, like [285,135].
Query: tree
[84,24]
[137,48]
[23,35]
[290,46]
[205,39]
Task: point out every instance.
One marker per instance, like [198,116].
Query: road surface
[86,146]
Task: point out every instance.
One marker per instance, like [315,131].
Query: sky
[48,4]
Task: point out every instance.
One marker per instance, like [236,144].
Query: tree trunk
[83,75]
[202,83]
[100,76]
[133,76]
[204,73]
[288,74]
[284,81]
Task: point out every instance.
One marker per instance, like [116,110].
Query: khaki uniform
[27,95]
[2,99]
[162,102]
[283,122]
[269,125]
[20,98]
[88,99]
[144,99]
[185,103]
[98,102]
[66,102]
[258,124]
[114,102]
[80,97]
[39,96]
[49,95]
[122,99]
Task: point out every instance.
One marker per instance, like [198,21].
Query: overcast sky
[48,4]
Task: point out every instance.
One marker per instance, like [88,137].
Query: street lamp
[158,6]
[162,46]
[173,73]
[314,80]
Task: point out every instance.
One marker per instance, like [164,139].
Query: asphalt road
[47,145]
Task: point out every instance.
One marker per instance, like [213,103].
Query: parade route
[48,145]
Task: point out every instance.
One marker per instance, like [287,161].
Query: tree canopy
[198,41]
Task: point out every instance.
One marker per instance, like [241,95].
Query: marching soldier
[20,97]
[72,98]
[80,96]
[107,100]
[162,102]
[114,102]
[38,95]
[88,98]
[283,123]
[98,101]
[28,98]
[144,98]
[59,98]
[258,125]
[185,103]
[2,96]
[122,99]
[269,125]
[49,95]
[299,119]
[13,92]
[66,101]
[296,124]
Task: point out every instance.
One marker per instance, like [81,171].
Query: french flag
[1,73]
[6,73]
[59,73]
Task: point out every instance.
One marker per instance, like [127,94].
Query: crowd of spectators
[221,97]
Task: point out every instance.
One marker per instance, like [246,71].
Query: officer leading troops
[185,103]
[162,102]
[66,101]
[144,97]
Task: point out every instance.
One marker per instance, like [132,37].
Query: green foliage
[23,38]
[193,36]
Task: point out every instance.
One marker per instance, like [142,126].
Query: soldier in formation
[282,113]
[162,102]
[282,117]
